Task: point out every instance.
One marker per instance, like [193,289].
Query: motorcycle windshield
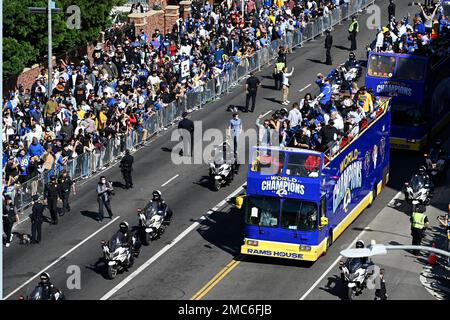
[37,293]
[114,243]
[151,210]
[40,293]
[417,183]
[434,155]
[353,265]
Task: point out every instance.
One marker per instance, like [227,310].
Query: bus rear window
[267,162]
[381,66]
[303,165]
[410,69]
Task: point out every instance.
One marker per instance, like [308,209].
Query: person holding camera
[104,192]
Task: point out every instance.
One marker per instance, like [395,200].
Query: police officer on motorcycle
[126,239]
[423,172]
[45,290]
[360,245]
[352,63]
[162,205]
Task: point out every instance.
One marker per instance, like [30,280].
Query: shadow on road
[341,48]
[335,287]
[223,230]
[90,214]
[204,182]
[99,267]
[316,61]
[118,184]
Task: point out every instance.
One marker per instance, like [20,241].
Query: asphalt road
[193,250]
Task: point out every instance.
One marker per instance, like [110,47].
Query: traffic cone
[432,257]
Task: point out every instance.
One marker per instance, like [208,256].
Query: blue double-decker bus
[299,201]
[419,87]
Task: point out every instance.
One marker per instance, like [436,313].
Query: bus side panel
[439,97]
[357,175]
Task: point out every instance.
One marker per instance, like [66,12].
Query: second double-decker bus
[419,87]
[298,201]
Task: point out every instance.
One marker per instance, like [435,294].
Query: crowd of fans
[132,77]
[337,115]
[325,122]
[427,33]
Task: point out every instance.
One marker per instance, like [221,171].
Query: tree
[25,34]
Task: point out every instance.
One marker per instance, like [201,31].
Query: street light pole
[50,53]
[49,11]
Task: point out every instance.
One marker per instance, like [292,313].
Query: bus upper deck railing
[338,146]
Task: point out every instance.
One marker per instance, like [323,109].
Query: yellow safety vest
[418,220]
[354,25]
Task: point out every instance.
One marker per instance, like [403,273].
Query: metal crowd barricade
[308,31]
[87,163]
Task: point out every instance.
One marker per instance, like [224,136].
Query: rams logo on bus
[350,179]
[375,156]
[347,199]
[367,163]
[382,148]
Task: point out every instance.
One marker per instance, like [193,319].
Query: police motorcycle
[436,162]
[154,218]
[353,67]
[118,255]
[354,273]
[45,290]
[418,190]
[222,168]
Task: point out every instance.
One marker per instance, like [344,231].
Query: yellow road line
[217,278]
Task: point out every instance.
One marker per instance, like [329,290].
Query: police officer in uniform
[353,30]
[126,166]
[188,125]
[380,290]
[37,218]
[49,291]
[251,87]
[65,183]
[419,222]
[328,45]
[10,217]
[51,194]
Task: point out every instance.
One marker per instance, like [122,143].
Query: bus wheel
[329,242]
[374,196]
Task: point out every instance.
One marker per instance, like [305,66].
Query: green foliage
[25,34]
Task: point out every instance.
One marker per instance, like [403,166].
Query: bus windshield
[263,211]
[406,113]
[299,215]
[381,66]
[410,69]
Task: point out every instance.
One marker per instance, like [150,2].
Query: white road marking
[265,114]
[301,90]
[61,257]
[170,180]
[192,227]
[339,258]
